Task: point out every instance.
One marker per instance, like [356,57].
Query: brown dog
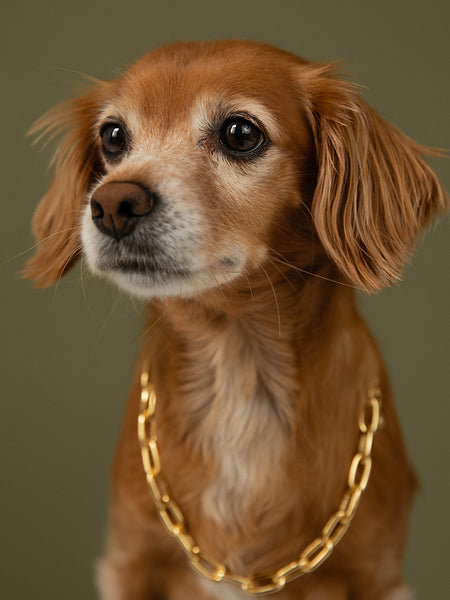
[244,192]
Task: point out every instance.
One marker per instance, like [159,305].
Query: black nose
[117,207]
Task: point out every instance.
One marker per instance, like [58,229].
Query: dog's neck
[254,335]
[236,378]
[274,309]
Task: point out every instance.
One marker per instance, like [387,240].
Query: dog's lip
[129,265]
[160,269]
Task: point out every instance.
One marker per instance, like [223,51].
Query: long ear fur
[374,191]
[56,220]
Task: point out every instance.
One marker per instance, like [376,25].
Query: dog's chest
[246,411]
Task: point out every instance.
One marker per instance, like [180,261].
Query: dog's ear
[374,191]
[56,222]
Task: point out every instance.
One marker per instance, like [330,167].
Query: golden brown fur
[260,362]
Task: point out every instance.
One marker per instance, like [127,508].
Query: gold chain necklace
[311,557]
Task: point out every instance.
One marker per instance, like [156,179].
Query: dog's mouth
[164,276]
[146,261]
[145,268]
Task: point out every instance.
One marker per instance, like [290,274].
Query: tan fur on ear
[56,220]
[374,191]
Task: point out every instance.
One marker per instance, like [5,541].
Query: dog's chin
[166,284]
[160,282]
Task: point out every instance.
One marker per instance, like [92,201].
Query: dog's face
[206,160]
[198,160]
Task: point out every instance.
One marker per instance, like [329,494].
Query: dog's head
[205,160]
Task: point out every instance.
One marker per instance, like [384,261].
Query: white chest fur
[246,409]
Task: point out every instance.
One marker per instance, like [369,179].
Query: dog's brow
[207,110]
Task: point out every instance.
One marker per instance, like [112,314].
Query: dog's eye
[114,139]
[240,136]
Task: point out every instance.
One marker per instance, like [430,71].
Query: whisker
[273,262]
[36,245]
[275,298]
[136,308]
[106,320]
[79,74]
[249,287]
[155,326]
[69,258]
[83,287]
[311,273]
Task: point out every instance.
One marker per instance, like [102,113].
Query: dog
[244,193]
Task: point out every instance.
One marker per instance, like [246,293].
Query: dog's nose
[118,206]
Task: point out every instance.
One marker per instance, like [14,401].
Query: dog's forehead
[168,85]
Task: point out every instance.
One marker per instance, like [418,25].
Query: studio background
[68,351]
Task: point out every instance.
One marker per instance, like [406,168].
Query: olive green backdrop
[67,352]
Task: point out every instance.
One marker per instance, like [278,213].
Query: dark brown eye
[240,136]
[114,139]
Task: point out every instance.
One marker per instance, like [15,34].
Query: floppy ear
[56,221]
[374,192]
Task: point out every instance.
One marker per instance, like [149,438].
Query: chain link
[312,556]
